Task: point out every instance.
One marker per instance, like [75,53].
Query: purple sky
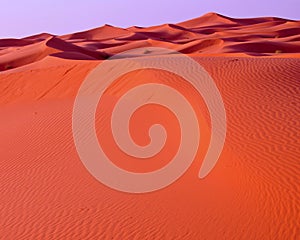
[21,18]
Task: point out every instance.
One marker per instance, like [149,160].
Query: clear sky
[19,18]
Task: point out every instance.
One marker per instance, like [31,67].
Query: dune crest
[264,36]
[252,193]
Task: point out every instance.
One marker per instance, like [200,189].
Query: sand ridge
[210,34]
[252,193]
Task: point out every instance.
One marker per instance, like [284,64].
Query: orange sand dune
[209,34]
[252,193]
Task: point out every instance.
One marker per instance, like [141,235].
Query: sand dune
[258,36]
[252,193]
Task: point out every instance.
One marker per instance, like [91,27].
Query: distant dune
[209,34]
[252,193]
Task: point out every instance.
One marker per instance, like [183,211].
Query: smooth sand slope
[210,34]
[252,193]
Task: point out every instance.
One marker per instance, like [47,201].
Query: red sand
[252,193]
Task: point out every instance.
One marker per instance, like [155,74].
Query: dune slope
[252,193]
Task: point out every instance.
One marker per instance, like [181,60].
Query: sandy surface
[252,193]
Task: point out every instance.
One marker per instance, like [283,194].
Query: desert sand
[252,193]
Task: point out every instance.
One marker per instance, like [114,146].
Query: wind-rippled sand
[252,193]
